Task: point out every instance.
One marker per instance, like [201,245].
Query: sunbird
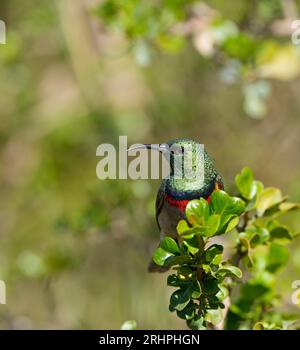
[176,191]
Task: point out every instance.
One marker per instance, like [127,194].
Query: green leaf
[287,206]
[196,289]
[212,225]
[177,260]
[211,286]
[280,233]
[184,230]
[129,325]
[174,281]
[213,254]
[214,316]
[196,323]
[184,272]
[230,271]
[257,189]
[271,224]
[214,302]
[260,235]
[277,257]
[183,227]
[259,326]
[222,203]
[244,183]
[232,223]
[226,206]
[247,260]
[222,294]
[217,260]
[197,211]
[206,268]
[180,298]
[245,244]
[267,199]
[160,256]
[188,312]
[165,254]
[169,245]
[192,245]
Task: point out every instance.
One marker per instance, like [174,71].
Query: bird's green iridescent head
[192,171]
[199,175]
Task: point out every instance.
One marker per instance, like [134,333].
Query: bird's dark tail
[152,267]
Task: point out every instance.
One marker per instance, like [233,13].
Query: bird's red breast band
[179,203]
[182,203]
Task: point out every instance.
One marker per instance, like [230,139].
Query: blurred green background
[74,249]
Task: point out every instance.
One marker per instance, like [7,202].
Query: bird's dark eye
[177,150]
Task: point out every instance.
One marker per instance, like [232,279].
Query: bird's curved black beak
[163,147]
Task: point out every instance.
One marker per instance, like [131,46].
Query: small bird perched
[175,192]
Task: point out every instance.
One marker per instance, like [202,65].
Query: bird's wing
[160,198]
